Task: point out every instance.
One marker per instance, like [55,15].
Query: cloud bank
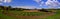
[26,7]
[49,3]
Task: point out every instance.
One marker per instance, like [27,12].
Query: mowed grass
[2,16]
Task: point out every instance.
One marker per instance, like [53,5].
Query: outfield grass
[56,16]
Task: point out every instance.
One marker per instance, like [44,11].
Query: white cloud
[8,1]
[1,0]
[52,4]
[26,7]
[4,1]
[42,3]
[38,1]
[49,3]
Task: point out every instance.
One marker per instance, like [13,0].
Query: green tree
[9,7]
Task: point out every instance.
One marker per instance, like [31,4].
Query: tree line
[7,8]
[10,8]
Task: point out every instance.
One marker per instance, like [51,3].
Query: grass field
[20,13]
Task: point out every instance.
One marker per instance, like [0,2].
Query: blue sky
[28,3]
[22,3]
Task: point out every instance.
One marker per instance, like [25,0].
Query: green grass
[2,16]
[56,16]
[26,13]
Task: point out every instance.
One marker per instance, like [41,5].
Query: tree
[9,7]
